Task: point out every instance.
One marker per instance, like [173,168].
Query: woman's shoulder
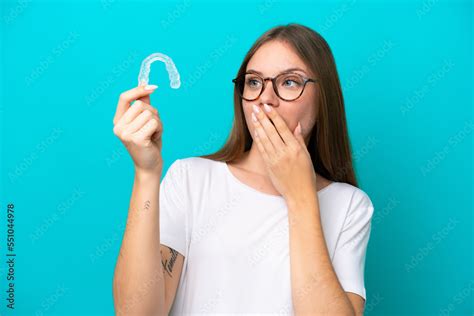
[194,166]
[350,189]
[195,162]
[354,197]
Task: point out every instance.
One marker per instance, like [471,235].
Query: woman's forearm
[138,284]
[315,287]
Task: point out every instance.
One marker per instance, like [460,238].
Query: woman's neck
[252,161]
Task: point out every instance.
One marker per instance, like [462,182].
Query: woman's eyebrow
[284,71]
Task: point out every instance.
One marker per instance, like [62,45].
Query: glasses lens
[289,86]
[252,86]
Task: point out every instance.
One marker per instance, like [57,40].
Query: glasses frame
[273,80]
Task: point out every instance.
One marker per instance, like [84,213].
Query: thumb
[145,99]
[299,135]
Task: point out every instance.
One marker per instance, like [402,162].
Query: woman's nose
[268,95]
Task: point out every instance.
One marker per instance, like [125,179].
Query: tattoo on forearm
[168,264]
[147,205]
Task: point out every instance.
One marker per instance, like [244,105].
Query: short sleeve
[173,205]
[351,247]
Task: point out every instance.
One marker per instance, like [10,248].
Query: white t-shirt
[235,239]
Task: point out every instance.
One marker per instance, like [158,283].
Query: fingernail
[256,109]
[267,107]
[150,87]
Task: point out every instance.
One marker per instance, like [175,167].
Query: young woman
[273,222]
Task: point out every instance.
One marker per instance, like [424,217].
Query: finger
[299,135]
[143,135]
[145,99]
[127,97]
[138,122]
[137,107]
[280,125]
[270,130]
[260,146]
[263,137]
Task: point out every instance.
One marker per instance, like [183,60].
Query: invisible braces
[173,74]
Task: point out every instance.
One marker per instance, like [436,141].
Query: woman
[273,222]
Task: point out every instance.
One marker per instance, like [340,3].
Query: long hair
[329,144]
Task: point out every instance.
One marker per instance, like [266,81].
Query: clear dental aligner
[173,74]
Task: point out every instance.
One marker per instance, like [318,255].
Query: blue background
[406,70]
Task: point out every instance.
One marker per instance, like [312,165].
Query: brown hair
[329,144]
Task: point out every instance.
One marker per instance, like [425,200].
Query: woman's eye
[253,82]
[291,82]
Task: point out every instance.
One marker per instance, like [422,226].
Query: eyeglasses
[287,86]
